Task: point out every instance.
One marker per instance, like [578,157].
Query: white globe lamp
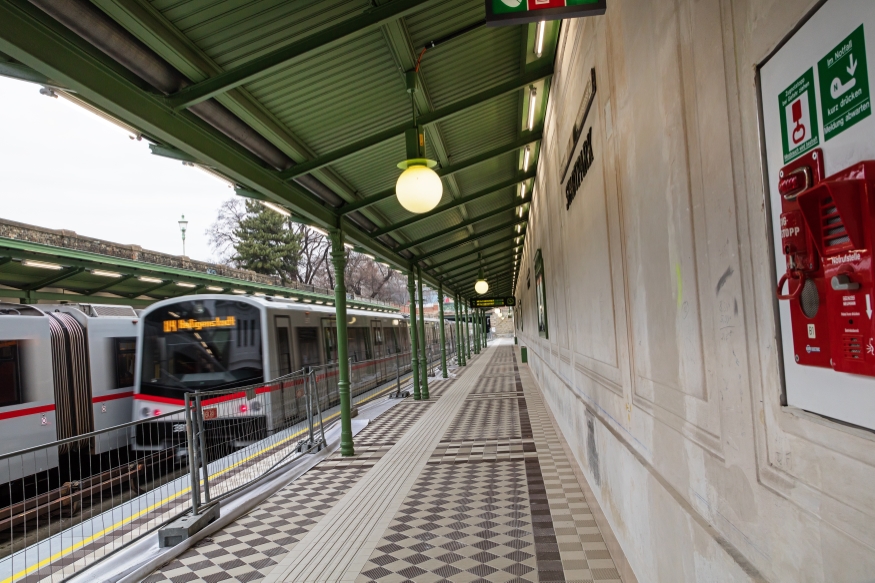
[419,188]
[481,287]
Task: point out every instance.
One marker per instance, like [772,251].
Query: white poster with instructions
[815,94]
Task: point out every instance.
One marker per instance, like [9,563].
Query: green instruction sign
[844,85]
[798,112]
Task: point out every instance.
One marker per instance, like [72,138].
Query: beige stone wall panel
[661,308]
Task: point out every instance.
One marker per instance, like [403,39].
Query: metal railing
[64,508]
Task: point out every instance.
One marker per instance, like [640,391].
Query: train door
[308,346]
[359,343]
[283,333]
[377,329]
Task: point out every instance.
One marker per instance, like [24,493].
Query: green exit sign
[506,12]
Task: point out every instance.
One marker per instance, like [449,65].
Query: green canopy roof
[304,103]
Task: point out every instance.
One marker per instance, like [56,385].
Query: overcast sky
[63,167]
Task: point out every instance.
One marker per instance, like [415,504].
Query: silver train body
[65,370]
[218,342]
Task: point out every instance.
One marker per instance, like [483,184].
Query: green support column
[460,354]
[414,353]
[467,333]
[423,363]
[338,257]
[443,332]
[485,329]
[475,331]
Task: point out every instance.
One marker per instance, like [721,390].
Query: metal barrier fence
[64,507]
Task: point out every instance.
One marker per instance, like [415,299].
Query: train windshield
[201,344]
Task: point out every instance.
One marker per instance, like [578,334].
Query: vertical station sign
[507,12]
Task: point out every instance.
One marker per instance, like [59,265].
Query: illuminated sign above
[492,302]
[191,324]
[507,12]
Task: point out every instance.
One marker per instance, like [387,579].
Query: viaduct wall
[661,363]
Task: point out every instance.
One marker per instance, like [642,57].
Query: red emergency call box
[832,258]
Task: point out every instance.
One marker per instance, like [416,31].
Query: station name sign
[492,302]
[191,324]
[507,12]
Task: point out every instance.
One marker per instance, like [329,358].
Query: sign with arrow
[844,85]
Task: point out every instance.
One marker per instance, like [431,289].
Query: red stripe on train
[28,411]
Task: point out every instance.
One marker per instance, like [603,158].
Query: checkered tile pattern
[247,548]
[498,500]
[460,523]
[582,550]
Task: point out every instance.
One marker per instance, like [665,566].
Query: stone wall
[661,364]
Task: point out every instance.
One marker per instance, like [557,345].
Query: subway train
[219,342]
[65,370]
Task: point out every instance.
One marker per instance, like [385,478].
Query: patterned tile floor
[497,499]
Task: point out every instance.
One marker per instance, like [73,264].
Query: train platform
[473,484]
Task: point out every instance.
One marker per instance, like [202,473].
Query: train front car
[199,344]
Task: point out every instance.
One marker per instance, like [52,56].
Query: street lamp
[183,225]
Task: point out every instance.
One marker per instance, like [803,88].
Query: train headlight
[255,406]
[145,412]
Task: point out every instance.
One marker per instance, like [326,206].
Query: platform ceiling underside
[303,103]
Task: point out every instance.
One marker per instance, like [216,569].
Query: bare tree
[221,233]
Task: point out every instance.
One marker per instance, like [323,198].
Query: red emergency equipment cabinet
[834,255]
[804,277]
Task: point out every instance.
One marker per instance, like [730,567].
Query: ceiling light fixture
[526,154]
[523,190]
[539,39]
[102,273]
[533,94]
[481,286]
[213,288]
[238,291]
[150,279]
[184,284]
[419,188]
[319,230]
[276,208]
[41,264]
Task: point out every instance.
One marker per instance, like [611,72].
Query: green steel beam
[149,290]
[474,262]
[455,203]
[5,260]
[111,284]
[56,297]
[464,255]
[463,224]
[473,238]
[464,275]
[170,152]
[425,119]
[528,138]
[54,278]
[35,39]
[275,61]
[494,281]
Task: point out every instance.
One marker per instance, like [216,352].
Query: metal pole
[467,332]
[199,418]
[443,332]
[456,329]
[397,377]
[338,257]
[192,459]
[310,407]
[318,406]
[477,331]
[414,352]
[423,354]
[460,329]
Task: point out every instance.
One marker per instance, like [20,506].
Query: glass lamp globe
[419,188]
[481,287]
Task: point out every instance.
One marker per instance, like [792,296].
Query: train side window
[10,374]
[125,360]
